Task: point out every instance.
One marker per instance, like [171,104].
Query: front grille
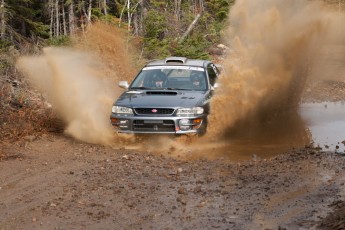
[154,125]
[151,111]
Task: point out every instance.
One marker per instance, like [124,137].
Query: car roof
[179,61]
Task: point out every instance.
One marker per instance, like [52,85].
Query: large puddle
[326,122]
[322,124]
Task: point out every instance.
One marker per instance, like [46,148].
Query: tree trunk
[177,12]
[129,14]
[135,18]
[190,28]
[200,6]
[105,7]
[136,24]
[143,12]
[57,32]
[89,12]
[83,19]
[51,27]
[3,22]
[84,11]
[197,6]
[64,21]
[121,14]
[71,19]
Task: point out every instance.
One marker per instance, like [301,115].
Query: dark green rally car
[169,96]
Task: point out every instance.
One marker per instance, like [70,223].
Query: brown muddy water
[326,122]
[315,124]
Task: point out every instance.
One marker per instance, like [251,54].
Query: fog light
[184,122]
[197,121]
[184,127]
[114,120]
[123,124]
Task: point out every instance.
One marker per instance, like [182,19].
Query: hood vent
[175,60]
[161,93]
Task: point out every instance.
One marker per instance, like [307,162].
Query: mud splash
[275,49]
[81,82]
[113,48]
[74,85]
[274,44]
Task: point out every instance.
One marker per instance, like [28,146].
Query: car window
[171,77]
[147,79]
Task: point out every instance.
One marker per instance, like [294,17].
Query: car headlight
[122,110]
[190,111]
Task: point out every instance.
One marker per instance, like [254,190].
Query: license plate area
[153,122]
[154,125]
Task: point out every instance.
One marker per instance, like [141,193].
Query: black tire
[203,129]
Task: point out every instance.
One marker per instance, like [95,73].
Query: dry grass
[24,112]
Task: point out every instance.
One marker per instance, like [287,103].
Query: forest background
[161,24]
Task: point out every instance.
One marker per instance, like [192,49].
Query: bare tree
[51,28]
[89,12]
[136,22]
[57,16]
[190,28]
[200,4]
[143,12]
[3,20]
[121,14]
[64,20]
[105,10]
[177,11]
[71,18]
[129,14]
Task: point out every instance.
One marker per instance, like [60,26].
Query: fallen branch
[190,28]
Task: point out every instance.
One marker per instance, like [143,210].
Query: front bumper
[157,124]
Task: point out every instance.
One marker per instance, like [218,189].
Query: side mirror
[123,84]
[216,85]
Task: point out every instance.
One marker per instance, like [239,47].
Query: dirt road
[55,182]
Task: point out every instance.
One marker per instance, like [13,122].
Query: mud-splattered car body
[167,96]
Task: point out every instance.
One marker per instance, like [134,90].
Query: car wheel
[202,130]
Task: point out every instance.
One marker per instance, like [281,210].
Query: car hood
[162,99]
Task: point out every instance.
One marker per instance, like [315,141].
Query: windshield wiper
[175,89]
[139,88]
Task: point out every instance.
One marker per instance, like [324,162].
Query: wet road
[326,122]
[319,124]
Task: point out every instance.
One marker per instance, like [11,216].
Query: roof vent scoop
[176,60]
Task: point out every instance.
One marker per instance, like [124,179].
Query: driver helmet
[197,79]
[158,80]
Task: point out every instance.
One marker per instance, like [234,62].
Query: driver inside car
[158,80]
[197,80]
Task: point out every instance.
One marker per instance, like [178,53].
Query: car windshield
[171,77]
